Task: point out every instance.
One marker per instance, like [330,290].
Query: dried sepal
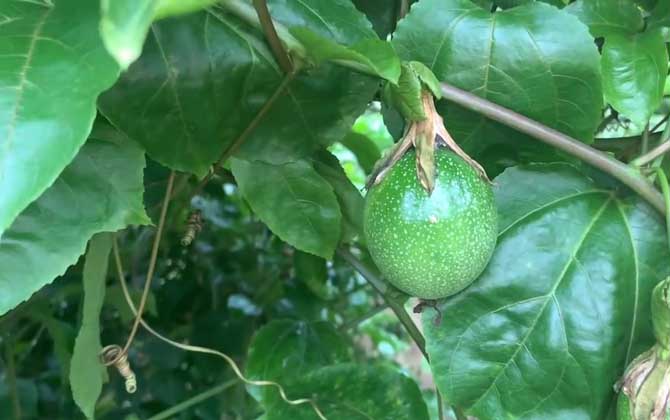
[646,385]
[425,136]
[424,144]
[396,152]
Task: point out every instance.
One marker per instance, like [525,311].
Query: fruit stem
[602,161]
[384,290]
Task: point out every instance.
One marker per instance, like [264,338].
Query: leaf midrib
[531,328]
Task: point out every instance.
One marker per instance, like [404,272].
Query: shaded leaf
[366,151]
[302,345]
[634,70]
[353,391]
[561,308]
[53,65]
[100,191]
[203,77]
[371,56]
[660,15]
[512,58]
[381,14]
[86,371]
[348,196]
[297,204]
[605,17]
[124,27]
[313,272]
[28,397]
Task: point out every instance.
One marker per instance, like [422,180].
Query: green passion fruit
[431,246]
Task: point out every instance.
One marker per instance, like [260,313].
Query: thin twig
[247,131]
[460,415]
[10,376]
[657,152]
[271,35]
[644,145]
[383,289]
[627,175]
[403,8]
[361,319]
[152,262]
[199,349]
[197,399]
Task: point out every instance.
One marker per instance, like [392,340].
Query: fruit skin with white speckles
[431,246]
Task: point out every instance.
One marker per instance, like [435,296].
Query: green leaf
[53,65]
[86,371]
[100,191]
[302,346]
[512,58]
[371,56]
[604,17]
[634,70]
[406,95]
[382,15]
[167,8]
[348,196]
[124,27]
[562,307]
[296,203]
[366,151]
[313,272]
[202,78]
[352,391]
[660,15]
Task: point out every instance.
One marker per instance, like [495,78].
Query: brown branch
[271,35]
[247,131]
[627,175]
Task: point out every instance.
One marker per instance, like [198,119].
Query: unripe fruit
[431,246]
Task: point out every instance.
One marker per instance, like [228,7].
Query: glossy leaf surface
[296,203]
[353,391]
[512,58]
[634,71]
[205,76]
[605,17]
[100,191]
[562,307]
[53,66]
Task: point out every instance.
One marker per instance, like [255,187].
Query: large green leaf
[372,56]
[296,203]
[512,58]
[604,17]
[352,391]
[202,78]
[563,305]
[634,70]
[100,191]
[53,65]
[124,27]
[86,371]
